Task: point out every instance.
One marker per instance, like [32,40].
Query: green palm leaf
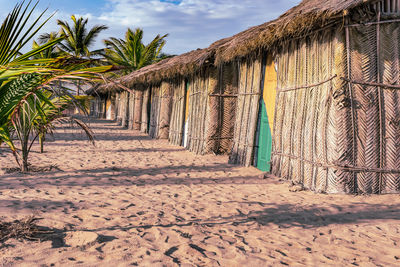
[131,53]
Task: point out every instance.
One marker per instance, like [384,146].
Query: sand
[135,201]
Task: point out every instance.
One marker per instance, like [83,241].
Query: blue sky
[191,24]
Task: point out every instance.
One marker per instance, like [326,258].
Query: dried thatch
[25,229]
[296,22]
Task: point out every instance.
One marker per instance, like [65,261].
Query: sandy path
[135,201]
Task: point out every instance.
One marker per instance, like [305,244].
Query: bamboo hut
[146,107]
[198,117]
[336,123]
[155,106]
[248,101]
[223,89]
[97,105]
[137,114]
[312,96]
[119,110]
[131,110]
[178,113]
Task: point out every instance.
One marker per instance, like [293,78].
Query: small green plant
[30,103]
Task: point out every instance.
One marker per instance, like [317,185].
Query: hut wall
[97,104]
[131,110]
[144,122]
[108,107]
[165,110]
[113,108]
[102,107]
[222,104]
[199,117]
[177,114]
[138,106]
[337,120]
[119,107]
[155,106]
[124,108]
[93,107]
[372,63]
[305,135]
[246,112]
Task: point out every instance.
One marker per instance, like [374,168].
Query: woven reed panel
[229,86]
[96,107]
[213,114]
[374,58]
[113,108]
[304,121]
[155,106]
[121,108]
[338,130]
[198,112]
[144,122]
[131,110]
[165,110]
[118,107]
[124,109]
[177,113]
[246,112]
[101,108]
[138,106]
[390,74]
[222,109]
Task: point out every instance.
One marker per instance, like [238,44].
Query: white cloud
[191,24]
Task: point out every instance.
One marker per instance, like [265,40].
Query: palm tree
[26,79]
[131,53]
[53,51]
[78,39]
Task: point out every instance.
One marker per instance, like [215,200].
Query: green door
[264,141]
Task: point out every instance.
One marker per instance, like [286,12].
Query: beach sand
[135,201]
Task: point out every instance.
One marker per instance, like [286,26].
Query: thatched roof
[182,65]
[308,16]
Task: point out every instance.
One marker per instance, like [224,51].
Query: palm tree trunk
[41,142]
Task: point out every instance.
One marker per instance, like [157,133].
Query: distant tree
[51,52]
[78,39]
[164,56]
[131,53]
[29,105]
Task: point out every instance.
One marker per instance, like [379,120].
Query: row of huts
[313,97]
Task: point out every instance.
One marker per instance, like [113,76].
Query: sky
[191,24]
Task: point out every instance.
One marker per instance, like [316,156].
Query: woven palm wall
[131,109]
[138,106]
[374,72]
[119,107]
[155,106]
[144,121]
[248,98]
[111,97]
[177,113]
[165,109]
[114,99]
[200,112]
[98,104]
[124,105]
[222,105]
[305,129]
[337,126]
